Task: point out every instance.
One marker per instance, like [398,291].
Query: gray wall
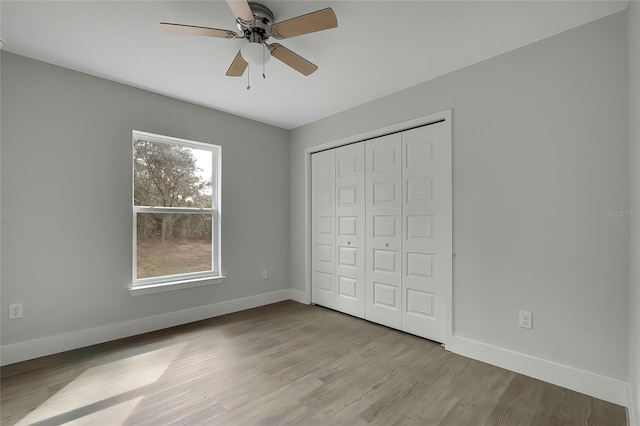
[633,15]
[66,199]
[540,145]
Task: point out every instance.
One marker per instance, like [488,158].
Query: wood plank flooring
[284,363]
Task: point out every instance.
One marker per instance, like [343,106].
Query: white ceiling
[379,47]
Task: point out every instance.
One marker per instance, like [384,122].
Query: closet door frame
[442,116]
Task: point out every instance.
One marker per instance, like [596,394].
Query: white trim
[174,141]
[392,128]
[173,210]
[23,351]
[175,285]
[445,115]
[298,296]
[602,387]
[632,416]
[307,225]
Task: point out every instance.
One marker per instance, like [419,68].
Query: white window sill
[174,285]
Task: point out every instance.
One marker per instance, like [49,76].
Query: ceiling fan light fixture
[255,53]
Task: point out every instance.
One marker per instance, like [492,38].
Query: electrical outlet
[265,274]
[525,319]
[15,311]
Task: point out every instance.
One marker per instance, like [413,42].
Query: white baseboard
[298,296]
[602,387]
[23,351]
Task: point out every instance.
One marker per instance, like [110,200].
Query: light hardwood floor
[284,363]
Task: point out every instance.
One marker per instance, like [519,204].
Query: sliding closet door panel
[323,229]
[426,229]
[383,230]
[350,238]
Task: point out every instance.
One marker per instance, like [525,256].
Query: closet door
[426,229]
[350,238]
[323,229]
[383,230]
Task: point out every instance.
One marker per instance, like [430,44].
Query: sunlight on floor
[109,392]
[115,415]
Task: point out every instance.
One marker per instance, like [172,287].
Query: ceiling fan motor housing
[259,32]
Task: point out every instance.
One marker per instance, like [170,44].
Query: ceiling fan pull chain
[263,63]
[248,72]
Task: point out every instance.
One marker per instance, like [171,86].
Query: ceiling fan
[256,24]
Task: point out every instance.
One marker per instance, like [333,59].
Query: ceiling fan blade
[237,67]
[200,31]
[242,11]
[292,59]
[305,24]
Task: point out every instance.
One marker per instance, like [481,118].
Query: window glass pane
[171,175]
[169,244]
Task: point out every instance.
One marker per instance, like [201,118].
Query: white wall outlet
[15,311]
[265,274]
[525,319]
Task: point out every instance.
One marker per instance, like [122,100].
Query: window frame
[190,279]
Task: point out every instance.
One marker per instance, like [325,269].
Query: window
[176,213]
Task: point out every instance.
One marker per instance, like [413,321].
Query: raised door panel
[350,237]
[426,229]
[383,230]
[323,229]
